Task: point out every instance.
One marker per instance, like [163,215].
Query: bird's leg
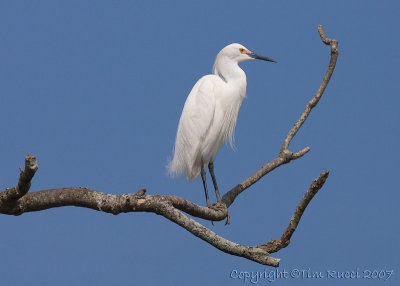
[203,177]
[211,169]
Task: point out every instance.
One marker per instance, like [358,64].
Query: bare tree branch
[285,156]
[276,245]
[17,200]
[313,102]
[108,203]
[166,206]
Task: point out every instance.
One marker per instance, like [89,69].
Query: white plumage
[210,112]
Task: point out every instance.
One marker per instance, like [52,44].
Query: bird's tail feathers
[175,167]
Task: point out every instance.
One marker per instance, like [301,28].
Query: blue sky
[95,89]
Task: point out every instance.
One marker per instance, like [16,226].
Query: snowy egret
[209,116]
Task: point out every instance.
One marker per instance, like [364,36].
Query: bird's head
[239,53]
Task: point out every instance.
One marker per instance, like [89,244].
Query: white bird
[209,116]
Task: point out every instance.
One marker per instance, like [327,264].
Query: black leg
[203,177]
[211,169]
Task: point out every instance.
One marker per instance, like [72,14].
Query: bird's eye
[242,50]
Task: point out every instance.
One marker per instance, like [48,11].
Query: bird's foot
[220,206]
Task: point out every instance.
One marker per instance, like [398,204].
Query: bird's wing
[195,121]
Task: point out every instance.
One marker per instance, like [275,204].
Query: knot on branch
[286,155]
[141,193]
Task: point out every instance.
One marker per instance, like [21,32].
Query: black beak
[258,57]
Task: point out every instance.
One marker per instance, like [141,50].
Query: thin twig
[313,102]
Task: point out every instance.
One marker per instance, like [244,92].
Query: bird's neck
[229,71]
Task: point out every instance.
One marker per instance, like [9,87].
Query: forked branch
[285,156]
[17,200]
